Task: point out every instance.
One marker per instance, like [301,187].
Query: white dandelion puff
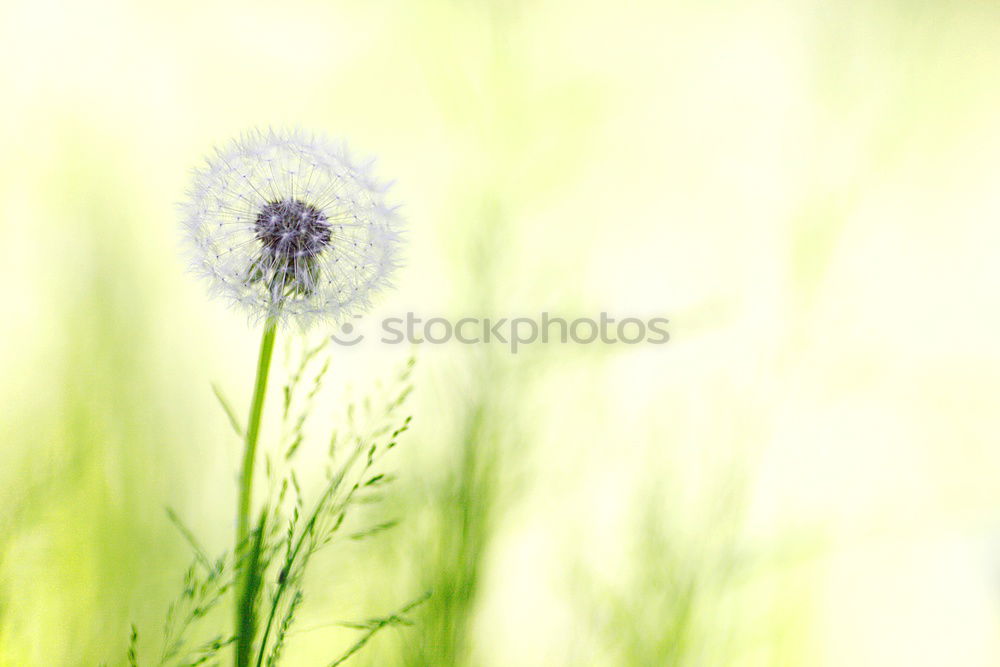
[289,227]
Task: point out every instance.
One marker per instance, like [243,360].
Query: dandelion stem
[244,607]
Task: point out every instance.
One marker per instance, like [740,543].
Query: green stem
[244,576]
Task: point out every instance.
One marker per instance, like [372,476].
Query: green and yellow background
[808,473]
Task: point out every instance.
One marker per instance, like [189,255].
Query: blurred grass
[87,533]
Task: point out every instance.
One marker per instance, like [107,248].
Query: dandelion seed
[290,227]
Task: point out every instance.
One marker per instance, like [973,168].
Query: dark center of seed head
[291,229]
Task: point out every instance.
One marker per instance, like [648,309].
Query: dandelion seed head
[288,225]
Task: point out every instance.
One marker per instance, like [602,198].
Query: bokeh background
[806,474]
